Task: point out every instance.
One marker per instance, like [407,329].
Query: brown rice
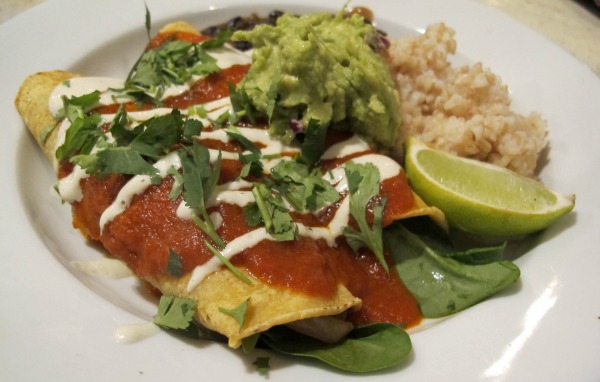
[464,110]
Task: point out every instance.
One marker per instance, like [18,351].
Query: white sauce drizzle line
[342,149]
[78,86]
[137,185]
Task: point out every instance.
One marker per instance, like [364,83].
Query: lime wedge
[479,197]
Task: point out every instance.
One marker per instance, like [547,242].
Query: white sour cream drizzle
[136,186]
[236,192]
[79,86]
[348,147]
[131,333]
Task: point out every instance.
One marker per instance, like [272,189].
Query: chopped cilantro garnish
[235,134]
[303,188]
[252,161]
[117,160]
[199,180]
[197,110]
[82,135]
[227,263]
[148,21]
[177,188]
[133,150]
[241,103]
[174,265]
[252,165]
[314,143]
[174,312]
[363,185]
[252,215]
[46,132]
[174,62]
[219,40]
[274,214]
[238,313]
[77,106]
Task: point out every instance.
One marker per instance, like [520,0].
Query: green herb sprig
[199,180]
[174,62]
[363,186]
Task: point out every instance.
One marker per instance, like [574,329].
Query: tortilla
[32,104]
[267,305]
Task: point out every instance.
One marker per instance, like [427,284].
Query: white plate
[57,324]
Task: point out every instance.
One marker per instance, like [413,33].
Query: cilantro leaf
[46,132]
[252,161]
[156,136]
[238,313]
[219,40]
[252,165]
[148,21]
[191,128]
[199,180]
[77,106]
[363,185]
[80,137]
[274,214]
[177,188]
[303,188]
[133,150]
[235,134]
[174,312]
[174,62]
[227,263]
[121,160]
[241,103]
[252,215]
[174,265]
[199,177]
[313,144]
[84,131]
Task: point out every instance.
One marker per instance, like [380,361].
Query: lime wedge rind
[480,197]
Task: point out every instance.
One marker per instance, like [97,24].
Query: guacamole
[321,67]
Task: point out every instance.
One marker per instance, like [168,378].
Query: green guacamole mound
[320,66]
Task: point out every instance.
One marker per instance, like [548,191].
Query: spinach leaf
[442,285]
[476,256]
[262,365]
[368,348]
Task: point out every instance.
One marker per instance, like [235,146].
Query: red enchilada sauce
[144,233]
